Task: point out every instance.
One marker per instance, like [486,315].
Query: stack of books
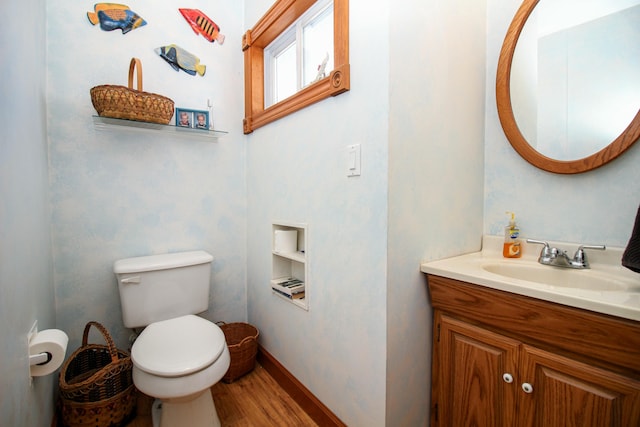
[288,287]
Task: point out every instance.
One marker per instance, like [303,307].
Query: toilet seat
[178,347]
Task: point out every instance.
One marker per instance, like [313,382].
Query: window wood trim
[277,19]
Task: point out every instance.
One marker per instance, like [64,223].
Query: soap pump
[512,247]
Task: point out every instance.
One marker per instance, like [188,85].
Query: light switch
[353,160]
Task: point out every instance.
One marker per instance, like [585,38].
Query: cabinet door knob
[507,378]
[528,388]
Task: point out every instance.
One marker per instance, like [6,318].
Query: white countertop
[622,300]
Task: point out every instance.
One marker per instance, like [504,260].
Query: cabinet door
[566,393]
[472,364]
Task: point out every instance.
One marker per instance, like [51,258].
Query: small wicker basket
[242,340]
[122,102]
[96,385]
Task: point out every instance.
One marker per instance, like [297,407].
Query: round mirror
[568,86]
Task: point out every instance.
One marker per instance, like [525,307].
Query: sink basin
[560,277]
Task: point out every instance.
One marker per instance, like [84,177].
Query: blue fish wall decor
[180,59]
[114,16]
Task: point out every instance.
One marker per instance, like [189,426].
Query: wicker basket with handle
[96,384]
[242,340]
[122,102]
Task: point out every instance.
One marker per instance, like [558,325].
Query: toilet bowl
[177,361]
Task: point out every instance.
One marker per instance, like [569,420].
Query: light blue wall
[367,333]
[436,135]
[118,194]
[26,280]
[597,207]
[297,172]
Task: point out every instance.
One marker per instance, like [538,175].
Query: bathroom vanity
[505,355]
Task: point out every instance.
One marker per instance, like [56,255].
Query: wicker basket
[242,340]
[96,385]
[122,102]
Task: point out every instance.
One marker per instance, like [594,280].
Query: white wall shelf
[289,261]
[108,123]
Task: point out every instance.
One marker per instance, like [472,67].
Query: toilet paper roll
[285,241]
[52,341]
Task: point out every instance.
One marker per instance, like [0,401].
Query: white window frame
[293,34]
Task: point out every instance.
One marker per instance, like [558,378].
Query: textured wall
[26,280]
[296,172]
[118,194]
[436,137]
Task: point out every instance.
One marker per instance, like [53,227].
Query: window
[301,55]
[296,55]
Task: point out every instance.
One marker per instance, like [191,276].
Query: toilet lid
[178,347]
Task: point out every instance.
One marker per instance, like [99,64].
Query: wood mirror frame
[510,127]
[277,19]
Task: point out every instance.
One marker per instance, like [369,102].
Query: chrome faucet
[559,258]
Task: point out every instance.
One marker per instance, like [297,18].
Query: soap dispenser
[512,247]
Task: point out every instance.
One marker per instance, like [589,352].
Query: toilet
[178,356]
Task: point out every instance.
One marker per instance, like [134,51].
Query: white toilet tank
[161,287]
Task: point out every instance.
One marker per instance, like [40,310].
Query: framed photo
[194,119]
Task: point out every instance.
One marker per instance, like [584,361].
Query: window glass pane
[317,35]
[300,55]
[285,73]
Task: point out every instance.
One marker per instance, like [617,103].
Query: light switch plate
[353,160]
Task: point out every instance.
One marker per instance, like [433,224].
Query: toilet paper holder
[47,350]
[40,358]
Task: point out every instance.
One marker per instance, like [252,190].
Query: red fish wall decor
[202,24]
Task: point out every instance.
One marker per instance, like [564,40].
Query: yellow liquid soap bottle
[512,247]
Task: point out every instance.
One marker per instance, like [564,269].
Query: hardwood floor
[254,400]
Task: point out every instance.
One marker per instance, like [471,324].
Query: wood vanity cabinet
[501,359]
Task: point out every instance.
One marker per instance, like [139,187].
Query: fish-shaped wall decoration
[202,24]
[180,59]
[114,16]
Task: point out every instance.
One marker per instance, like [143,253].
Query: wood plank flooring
[254,400]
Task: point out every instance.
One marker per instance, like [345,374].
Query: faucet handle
[580,256]
[547,254]
[546,250]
